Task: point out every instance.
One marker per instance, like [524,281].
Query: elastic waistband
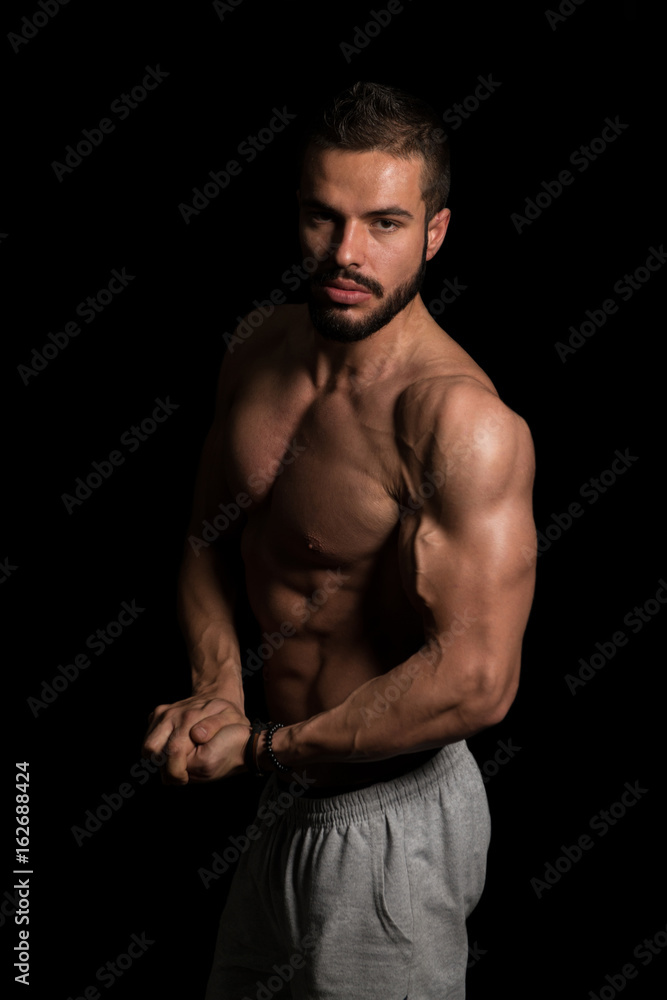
[363,803]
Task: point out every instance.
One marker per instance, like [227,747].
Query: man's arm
[463,562]
[206,602]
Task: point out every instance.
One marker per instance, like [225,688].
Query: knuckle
[191,716]
[216,705]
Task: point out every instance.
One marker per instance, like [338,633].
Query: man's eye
[387,225]
[320,217]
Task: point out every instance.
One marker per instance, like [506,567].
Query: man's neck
[377,356]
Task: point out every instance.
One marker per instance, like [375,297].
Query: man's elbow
[488,697]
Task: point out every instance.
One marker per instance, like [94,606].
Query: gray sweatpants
[363,894]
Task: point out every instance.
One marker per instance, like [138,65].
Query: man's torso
[330,512]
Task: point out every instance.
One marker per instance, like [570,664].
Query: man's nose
[348,244]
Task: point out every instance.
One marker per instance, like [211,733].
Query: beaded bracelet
[269,748]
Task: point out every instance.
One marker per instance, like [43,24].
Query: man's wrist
[216,680]
[251,748]
[222,692]
[280,744]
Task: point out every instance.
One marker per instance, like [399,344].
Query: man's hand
[221,756]
[183,731]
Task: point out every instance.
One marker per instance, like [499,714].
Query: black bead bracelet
[269,747]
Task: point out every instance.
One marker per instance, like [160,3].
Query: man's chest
[324,471]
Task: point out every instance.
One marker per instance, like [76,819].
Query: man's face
[363,216]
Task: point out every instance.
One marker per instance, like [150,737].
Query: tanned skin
[390,520]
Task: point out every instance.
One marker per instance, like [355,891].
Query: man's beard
[332,321]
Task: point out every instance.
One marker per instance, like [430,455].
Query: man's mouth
[344,291]
[344,283]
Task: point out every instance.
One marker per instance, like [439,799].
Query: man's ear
[437,228]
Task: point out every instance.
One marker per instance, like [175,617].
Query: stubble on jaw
[332,321]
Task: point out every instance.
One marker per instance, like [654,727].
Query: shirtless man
[388,547]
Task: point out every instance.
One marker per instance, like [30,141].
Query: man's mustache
[341,272]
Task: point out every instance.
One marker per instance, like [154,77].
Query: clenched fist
[203,738]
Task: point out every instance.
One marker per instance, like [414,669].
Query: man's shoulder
[446,395]
[462,414]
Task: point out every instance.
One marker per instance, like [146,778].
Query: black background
[162,337]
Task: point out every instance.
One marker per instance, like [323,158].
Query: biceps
[474,579]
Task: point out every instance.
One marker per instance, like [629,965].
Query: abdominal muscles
[327,626]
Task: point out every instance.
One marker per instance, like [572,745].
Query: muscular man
[386,534]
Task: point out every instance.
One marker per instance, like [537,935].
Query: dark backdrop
[571,895]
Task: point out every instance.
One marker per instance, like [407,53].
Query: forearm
[408,709]
[206,604]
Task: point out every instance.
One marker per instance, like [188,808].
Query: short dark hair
[372,116]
